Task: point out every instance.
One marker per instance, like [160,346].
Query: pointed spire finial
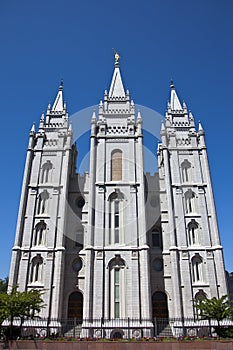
[116,56]
[33,129]
[61,85]
[172,86]
[93,115]
[200,128]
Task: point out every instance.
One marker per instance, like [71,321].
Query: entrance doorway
[75,305]
[159,305]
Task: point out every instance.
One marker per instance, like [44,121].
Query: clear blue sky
[44,41]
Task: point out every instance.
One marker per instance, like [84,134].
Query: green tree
[215,309]
[3,285]
[23,305]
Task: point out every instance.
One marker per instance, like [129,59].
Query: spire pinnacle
[58,105]
[200,128]
[93,118]
[33,129]
[116,88]
[174,100]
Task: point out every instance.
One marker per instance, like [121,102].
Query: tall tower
[38,253]
[116,277]
[192,253]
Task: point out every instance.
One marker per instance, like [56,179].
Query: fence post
[128,327]
[101,324]
[48,330]
[183,327]
[155,327]
[210,333]
[74,328]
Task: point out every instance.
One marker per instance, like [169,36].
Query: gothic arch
[186,168]
[117,194]
[117,287]
[192,228]
[46,172]
[40,233]
[43,202]
[116,217]
[36,269]
[75,305]
[200,295]
[197,268]
[190,201]
[116,261]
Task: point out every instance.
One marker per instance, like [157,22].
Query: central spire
[59,103]
[116,88]
[174,100]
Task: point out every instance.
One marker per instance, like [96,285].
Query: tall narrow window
[156,238]
[36,269]
[39,237]
[186,170]
[46,172]
[116,165]
[117,292]
[193,233]
[117,287]
[189,201]
[43,203]
[197,269]
[116,227]
[116,222]
[200,296]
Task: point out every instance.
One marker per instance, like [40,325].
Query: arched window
[36,269]
[197,268]
[200,295]
[116,218]
[193,233]
[116,165]
[190,201]
[159,305]
[156,238]
[46,172]
[117,287]
[43,203]
[75,305]
[186,170]
[39,236]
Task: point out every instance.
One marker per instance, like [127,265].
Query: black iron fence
[111,328]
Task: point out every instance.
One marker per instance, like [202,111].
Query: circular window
[77,264]
[80,202]
[158,265]
[154,201]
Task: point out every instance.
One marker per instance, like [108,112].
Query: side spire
[175,104]
[116,88]
[58,105]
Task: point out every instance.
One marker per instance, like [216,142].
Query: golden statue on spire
[116,55]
